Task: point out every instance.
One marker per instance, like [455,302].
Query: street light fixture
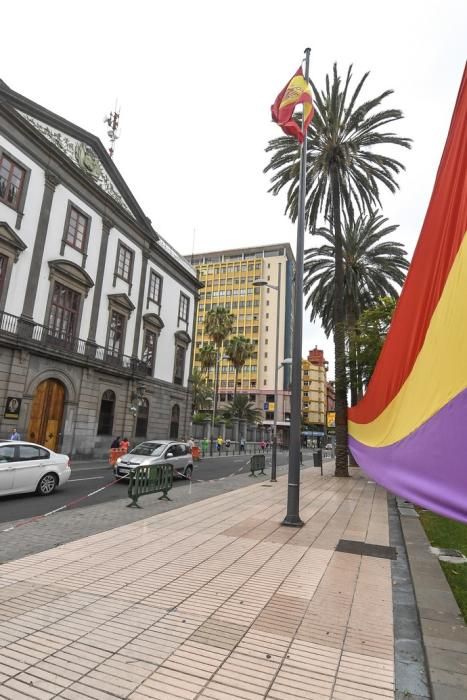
[264,283]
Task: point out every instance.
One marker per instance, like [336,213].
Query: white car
[26,467]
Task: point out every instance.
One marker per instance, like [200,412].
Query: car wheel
[188,471]
[47,484]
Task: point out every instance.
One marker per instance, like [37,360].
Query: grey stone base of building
[21,372]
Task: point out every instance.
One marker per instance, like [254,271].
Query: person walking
[262,444]
[125,444]
[242,444]
[205,446]
[220,442]
[116,443]
[191,444]
[15,435]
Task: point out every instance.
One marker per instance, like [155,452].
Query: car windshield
[148,448]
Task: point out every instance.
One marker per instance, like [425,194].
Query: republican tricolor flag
[297,91]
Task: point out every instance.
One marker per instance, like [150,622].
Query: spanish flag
[409,432]
[297,91]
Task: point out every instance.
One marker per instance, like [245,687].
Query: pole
[292,517]
[276,377]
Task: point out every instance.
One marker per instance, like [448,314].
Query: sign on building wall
[331,419]
[12,408]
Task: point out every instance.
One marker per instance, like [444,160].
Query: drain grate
[366,550]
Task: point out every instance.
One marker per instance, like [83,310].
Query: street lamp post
[265,283]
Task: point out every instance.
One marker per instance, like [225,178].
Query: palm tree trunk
[339,335]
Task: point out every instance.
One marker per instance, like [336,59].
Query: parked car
[156,452]
[26,467]
[328,446]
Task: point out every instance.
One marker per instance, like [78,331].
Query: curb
[444,633]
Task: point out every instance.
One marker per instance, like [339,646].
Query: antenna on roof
[112,121]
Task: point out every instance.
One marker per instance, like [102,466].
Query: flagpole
[293,492]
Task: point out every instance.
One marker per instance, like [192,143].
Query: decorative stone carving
[83,156]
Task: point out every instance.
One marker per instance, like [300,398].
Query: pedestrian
[242,444]
[191,443]
[116,443]
[227,444]
[262,444]
[125,444]
[15,435]
[204,446]
[220,442]
[267,445]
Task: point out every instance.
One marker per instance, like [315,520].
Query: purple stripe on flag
[429,466]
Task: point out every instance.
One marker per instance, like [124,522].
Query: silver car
[157,452]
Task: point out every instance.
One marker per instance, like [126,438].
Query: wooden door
[47,413]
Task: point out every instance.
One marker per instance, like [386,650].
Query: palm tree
[201,391]
[218,325]
[238,350]
[345,169]
[373,268]
[241,407]
[207,355]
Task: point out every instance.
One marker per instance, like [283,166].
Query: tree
[207,355]
[201,391]
[370,333]
[241,407]
[238,349]
[218,325]
[345,169]
[373,268]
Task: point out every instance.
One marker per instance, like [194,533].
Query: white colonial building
[96,308]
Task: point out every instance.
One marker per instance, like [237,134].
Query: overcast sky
[195,81]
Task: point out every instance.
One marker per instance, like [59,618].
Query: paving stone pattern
[215,600]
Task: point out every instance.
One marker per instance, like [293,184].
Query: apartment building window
[266,328]
[149,351]
[155,289]
[77,229]
[267,315]
[116,334]
[265,368]
[64,313]
[266,341]
[124,265]
[12,179]
[265,355]
[3,272]
[183,309]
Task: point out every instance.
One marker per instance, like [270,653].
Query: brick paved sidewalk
[213,600]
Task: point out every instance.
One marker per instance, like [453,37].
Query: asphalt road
[87,477]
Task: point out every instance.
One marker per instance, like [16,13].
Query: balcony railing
[70,345]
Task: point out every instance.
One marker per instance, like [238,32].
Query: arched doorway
[45,422]
[174,422]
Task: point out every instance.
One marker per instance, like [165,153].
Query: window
[11,181]
[265,368]
[179,370]
[155,288]
[7,453]
[142,419]
[28,452]
[265,355]
[124,267]
[64,312]
[106,414]
[149,352]
[116,333]
[174,422]
[183,308]
[77,229]
[3,271]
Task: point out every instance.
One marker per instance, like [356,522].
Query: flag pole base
[293,521]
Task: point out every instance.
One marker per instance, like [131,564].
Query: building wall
[314,389]
[228,277]
[27,360]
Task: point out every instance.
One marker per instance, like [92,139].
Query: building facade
[228,278]
[314,393]
[96,308]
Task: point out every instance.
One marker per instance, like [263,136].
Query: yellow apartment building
[314,393]
[228,277]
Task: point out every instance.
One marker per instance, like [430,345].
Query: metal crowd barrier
[152,479]
[257,463]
